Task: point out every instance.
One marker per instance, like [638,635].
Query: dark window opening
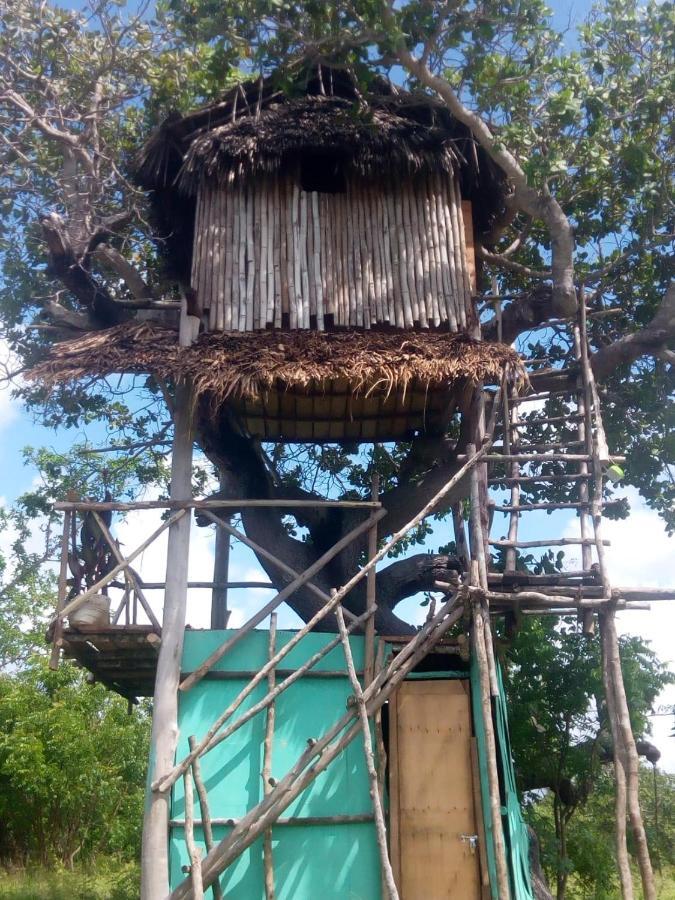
[322,171]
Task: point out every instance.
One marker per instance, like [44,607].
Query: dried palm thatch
[302,385]
[370,142]
[265,126]
[246,366]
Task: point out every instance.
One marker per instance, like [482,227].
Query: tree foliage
[72,768]
[562,742]
[579,126]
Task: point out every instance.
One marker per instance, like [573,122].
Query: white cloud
[642,555]
[9,408]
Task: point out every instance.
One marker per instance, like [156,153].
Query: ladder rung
[537,457]
[530,398]
[529,479]
[546,420]
[540,448]
[524,578]
[553,542]
[527,506]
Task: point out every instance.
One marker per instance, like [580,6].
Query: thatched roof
[263,126]
[242,365]
[302,385]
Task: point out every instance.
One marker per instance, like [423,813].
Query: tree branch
[114,260]
[652,340]
[541,205]
[407,577]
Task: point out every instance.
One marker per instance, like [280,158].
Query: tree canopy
[579,127]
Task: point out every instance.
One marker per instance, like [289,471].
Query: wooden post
[491,754]
[628,752]
[194,852]
[221,568]
[380,827]
[61,601]
[205,820]
[369,661]
[268,861]
[622,860]
[155,849]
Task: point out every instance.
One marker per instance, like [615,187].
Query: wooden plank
[432,791]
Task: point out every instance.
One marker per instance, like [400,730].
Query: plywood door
[431,792]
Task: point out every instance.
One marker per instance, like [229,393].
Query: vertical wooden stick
[491,754]
[268,861]
[62,591]
[380,826]
[622,859]
[194,852]
[629,755]
[369,663]
[221,568]
[205,813]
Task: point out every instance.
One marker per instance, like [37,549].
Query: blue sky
[640,538]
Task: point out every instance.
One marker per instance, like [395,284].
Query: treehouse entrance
[433,821]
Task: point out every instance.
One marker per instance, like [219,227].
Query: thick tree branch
[114,260]
[540,205]
[65,265]
[407,577]
[503,262]
[651,340]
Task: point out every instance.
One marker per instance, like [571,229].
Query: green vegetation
[72,769]
[588,125]
[107,879]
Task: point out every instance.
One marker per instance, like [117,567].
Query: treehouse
[324,240]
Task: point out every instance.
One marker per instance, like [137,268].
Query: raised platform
[122,657]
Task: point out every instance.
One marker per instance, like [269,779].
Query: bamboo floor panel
[119,656]
[335,414]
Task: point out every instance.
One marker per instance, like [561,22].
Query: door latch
[471,840]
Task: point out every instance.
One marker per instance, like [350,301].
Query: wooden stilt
[491,754]
[62,592]
[221,568]
[369,661]
[155,857]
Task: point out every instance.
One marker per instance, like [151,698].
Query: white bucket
[94,611]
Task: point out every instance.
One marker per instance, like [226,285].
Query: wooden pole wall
[270,255]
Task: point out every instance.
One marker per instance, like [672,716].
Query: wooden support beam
[380,826]
[480,651]
[114,506]
[553,542]
[369,659]
[62,592]
[164,736]
[265,611]
[194,852]
[205,821]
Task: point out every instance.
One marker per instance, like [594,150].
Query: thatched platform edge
[247,365]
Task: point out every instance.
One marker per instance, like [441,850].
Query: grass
[109,881]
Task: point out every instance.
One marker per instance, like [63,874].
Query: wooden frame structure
[474,599]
